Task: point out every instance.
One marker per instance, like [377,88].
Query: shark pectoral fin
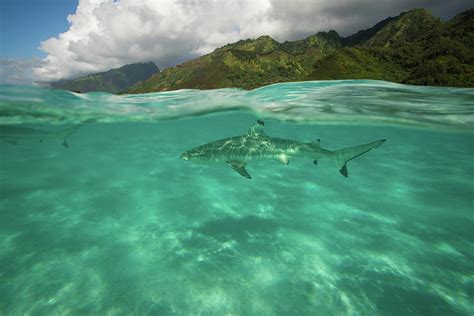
[343,171]
[239,167]
[284,158]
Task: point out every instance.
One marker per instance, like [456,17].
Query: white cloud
[18,71]
[105,34]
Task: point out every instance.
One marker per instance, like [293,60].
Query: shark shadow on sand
[14,134]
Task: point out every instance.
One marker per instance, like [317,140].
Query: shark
[237,151]
[13,134]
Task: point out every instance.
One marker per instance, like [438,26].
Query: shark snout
[184,156]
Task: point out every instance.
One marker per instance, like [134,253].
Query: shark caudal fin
[64,134]
[343,156]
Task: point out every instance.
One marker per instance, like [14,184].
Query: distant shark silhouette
[14,134]
[256,145]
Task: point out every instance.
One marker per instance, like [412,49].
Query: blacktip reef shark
[256,145]
[14,134]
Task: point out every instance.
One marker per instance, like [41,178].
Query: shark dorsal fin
[257,129]
[317,143]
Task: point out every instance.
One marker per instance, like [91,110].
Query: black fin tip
[343,171]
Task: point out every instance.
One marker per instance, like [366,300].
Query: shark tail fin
[65,133]
[343,156]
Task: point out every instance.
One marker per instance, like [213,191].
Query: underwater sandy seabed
[117,224]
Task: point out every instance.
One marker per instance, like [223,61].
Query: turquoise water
[118,224]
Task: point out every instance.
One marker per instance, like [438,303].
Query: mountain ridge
[112,81]
[413,48]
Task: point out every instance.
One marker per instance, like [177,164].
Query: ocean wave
[318,102]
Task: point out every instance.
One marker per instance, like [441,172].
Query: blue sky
[25,23]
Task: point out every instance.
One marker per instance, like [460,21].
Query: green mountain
[364,35]
[112,81]
[412,48]
[246,64]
